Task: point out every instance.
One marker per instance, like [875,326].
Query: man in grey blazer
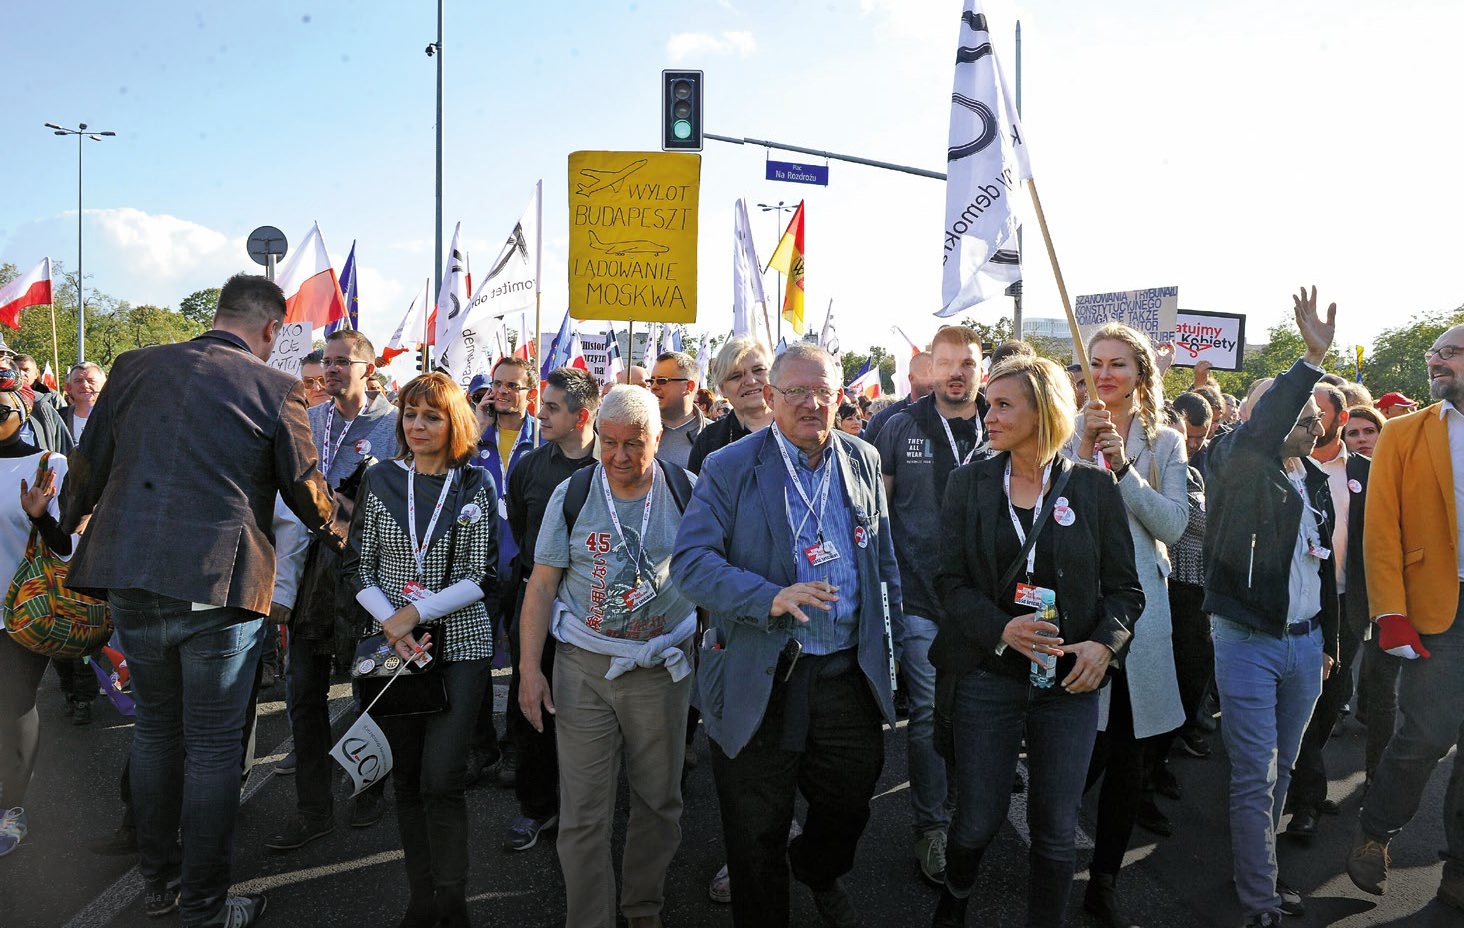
[786,543]
[178,469]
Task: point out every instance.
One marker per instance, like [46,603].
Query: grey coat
[1157,517]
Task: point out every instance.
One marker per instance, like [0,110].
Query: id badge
[639,596]
[1029,595]
[1318,552]
[821,554]
[415,592]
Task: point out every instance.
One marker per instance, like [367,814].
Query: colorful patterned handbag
[43,615]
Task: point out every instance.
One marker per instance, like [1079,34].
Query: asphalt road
[354,877]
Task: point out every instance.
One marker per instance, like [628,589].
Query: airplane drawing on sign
[611,179]
[628,247]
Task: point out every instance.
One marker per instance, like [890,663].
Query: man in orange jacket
[1415,564]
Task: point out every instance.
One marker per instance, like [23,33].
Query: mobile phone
[791,652]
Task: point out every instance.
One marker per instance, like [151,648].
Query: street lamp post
[777,212]
[435,48]
[82,133]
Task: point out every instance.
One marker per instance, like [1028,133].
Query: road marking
[267,883]
[102,910]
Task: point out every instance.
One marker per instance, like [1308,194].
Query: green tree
[199,306]
[1396,359]
[853,361]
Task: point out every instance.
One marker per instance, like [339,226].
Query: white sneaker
[12,829]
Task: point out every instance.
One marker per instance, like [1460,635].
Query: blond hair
[1051,392]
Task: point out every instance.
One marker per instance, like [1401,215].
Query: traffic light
[681,110]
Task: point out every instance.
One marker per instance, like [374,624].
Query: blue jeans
[992,715]
[192,673]
[1431,698]
[930,798]
[1268,687]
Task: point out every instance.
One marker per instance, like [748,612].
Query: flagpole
[426,323]
[1079,351]
[55,345]
[539,289]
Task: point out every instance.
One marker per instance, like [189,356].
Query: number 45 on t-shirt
[598,542]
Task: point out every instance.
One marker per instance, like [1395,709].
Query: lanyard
[956,452]
[419,549]
[1006,482]
[620,532]
[329,451]
[822,491]
[1311,531]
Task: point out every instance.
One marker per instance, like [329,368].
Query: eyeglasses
[662,381]
[7,411]
[328,363]
[314,383]
[757,373]
[509,386]
[1309,423]
[1444,353]
[799,396]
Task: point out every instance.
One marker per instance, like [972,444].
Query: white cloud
[685,45]
[162,246]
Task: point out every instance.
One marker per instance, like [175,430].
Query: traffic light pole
[852,159]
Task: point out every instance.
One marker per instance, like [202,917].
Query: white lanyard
[329,451]
[1311,532]
[956,452]
[822,491]
[635,557]
[419,549]
[1006,482]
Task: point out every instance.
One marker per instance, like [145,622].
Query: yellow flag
[788,258]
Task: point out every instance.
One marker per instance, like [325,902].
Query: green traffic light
[681,128]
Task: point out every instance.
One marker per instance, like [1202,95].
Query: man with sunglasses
[514,384]
[1415,568]
[786,543]
[1271,592]
[673,381]
[350,430]
[313,374]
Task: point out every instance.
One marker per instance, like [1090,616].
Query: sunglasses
[315,383]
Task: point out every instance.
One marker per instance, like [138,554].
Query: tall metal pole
[80,286]
[1017,287]
[437,268]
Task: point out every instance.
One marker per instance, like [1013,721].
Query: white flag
[703,360]
[648,356]
[828,339]
[364,752]
[747,284]
[452,297]
[905,351]
[511,286]
[413,327]
[985,165]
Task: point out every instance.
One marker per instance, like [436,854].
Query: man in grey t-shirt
[622,670]
[673,381]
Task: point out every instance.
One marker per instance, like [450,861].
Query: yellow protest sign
[632,235]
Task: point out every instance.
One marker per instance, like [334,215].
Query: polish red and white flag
[312,291]
[30,289]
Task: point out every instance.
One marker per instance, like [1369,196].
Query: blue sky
[1236,150]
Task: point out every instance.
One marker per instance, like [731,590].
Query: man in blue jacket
[786,543]
[1271,590]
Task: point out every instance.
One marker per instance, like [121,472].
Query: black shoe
[160,897]
[834,904]
[1152,818]
[1165,783]
[481,766]
[1291,901]
[368,808]
[1195,744]
[299,833]
[1206,723]
[508,770]
[122,842]
[285,766]
[950,912]
[1329,807]
[1303,824]
[82,714]
[1101,901]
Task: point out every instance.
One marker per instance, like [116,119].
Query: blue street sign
[799,173]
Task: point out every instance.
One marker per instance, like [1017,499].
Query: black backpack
[579,490]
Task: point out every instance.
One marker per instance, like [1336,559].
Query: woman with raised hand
[1027,529]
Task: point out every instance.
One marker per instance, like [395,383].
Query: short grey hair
[630,405]
[86,366]
[807,351]
[685,363]
[731,354]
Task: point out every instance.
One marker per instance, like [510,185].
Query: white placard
[291,346]
[1150,311]
[1215,337]
[597,353]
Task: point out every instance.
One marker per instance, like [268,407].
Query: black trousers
[1309,775]
[1378,684]
[1194,657]
[836,772]
[536,784]
[78,683]
[1123,762]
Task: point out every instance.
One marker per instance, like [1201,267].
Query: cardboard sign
[291,346]
[1150,311]
[632,235]
[1215,337]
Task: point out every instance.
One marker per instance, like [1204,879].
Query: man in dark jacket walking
[1272,592]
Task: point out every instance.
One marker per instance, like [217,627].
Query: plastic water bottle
[1044,668]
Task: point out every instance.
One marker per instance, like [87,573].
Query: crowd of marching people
[1025,560]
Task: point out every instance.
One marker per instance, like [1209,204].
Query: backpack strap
[579,490]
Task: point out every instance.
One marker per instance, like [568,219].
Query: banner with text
[596,348]
[632,235]
[1215,337]
[291,346]
[1150,311]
